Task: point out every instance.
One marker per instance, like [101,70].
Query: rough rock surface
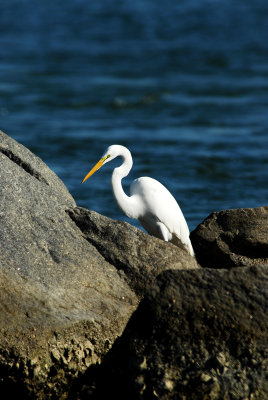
[66,291]
[198,335]
[232,238]
[138,258]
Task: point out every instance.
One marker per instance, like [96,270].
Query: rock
[232,238]
[74,322]
[197,334]
[138,258]
[67,289]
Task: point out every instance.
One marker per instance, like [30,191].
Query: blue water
[184,85]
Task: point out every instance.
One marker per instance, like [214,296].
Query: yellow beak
[94,169]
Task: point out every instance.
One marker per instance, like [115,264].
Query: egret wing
[160,206]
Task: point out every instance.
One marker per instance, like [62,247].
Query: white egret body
[149,201]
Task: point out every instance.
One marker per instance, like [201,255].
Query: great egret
[150,202]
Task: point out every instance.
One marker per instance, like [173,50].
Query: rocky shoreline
[93,308]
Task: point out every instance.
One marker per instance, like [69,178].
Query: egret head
[110,153]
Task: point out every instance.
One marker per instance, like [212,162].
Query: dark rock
[232,238]
[66,290]
[138,258]
[197,334]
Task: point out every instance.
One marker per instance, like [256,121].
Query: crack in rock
[24,165]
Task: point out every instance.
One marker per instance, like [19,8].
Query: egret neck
[128,204]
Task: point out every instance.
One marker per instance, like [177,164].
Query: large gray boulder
[197,335]
[69,279]
[232,238]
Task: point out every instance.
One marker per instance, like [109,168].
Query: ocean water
[184,85]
